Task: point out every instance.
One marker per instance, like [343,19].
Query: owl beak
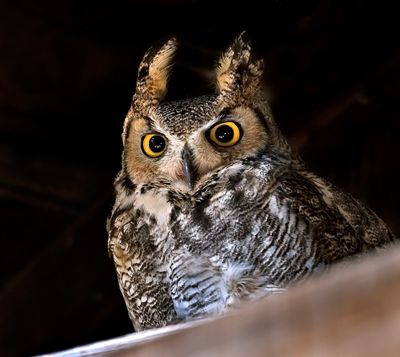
[189,170]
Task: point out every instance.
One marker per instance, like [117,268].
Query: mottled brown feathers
[238,73]
[153,73]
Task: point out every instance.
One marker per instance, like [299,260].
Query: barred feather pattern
[182,256]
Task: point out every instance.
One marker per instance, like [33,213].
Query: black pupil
[157,143]
[224,133]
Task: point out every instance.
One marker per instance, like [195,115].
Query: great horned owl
[212,206]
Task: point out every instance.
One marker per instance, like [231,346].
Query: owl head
[184,141]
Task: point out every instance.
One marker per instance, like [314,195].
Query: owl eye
[153,145]
[225,134]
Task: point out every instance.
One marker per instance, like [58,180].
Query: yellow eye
[225,134]
[153,145]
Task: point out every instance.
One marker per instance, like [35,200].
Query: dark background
[67,74]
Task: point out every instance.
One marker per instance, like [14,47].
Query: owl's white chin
[183,186]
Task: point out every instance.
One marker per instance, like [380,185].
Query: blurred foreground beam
[350,311]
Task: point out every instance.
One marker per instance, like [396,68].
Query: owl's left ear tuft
[238,72]
[154,71]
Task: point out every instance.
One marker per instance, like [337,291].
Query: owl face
[183,141]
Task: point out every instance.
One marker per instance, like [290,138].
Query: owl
[212,206]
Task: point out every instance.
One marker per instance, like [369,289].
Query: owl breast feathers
[212,206]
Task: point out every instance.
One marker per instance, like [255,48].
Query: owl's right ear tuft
[154,71]
[238,72]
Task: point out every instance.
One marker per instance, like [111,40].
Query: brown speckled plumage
[247,221]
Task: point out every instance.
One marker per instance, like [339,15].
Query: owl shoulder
[317,205]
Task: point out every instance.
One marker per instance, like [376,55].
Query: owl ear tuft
[238,72]
[154,71]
